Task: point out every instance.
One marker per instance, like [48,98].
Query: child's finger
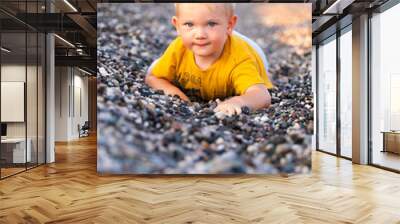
[220,115]
[238,110]
[221,108]
[217,109]
[231,111]
[225,110]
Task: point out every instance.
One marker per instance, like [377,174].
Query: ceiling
[330,15]
[75,21]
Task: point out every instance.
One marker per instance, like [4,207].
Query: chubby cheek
[218,40]
[187,42]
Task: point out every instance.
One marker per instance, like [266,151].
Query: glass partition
[13,109]
[22,77]
[346,93]
[327,96]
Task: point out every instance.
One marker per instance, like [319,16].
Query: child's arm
[255,97]
[165,85]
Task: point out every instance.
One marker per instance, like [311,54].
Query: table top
[391,132]
[13,140]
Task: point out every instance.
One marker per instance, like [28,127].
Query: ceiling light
[64,40]
[5,49]
[79,51]
[70,5]
[86,72]
[338,6]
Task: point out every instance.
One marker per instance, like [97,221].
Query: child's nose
[200,33]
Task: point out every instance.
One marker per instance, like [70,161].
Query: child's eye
[188,24]
[212,24]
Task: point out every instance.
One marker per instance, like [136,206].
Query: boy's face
[204,28]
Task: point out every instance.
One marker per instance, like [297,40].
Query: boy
[209,59]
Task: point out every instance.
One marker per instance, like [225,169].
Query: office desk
[391,141]
[16,147]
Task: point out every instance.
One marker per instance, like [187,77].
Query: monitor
[3,129]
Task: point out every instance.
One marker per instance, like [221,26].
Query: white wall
[61,103]
[13,72]
[70,83]
[10,73]
[81,104]
[33,126]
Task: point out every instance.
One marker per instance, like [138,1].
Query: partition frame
[337,34]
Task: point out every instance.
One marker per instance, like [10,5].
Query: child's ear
[174,21]
[231,24]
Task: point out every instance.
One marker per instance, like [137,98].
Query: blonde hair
[229,8]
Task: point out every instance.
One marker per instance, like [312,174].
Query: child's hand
[256,96]
[165,85]
[229,107]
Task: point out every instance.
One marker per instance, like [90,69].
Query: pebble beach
[142,131]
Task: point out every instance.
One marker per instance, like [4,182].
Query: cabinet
[391,141]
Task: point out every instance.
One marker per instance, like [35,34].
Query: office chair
[84,130]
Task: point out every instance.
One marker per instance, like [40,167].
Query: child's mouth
[202,45]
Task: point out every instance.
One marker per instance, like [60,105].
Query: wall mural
[204,88]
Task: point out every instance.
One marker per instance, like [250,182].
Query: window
[385,89]
[346,92]
[327,96]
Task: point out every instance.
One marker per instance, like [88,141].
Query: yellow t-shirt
[238,68]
